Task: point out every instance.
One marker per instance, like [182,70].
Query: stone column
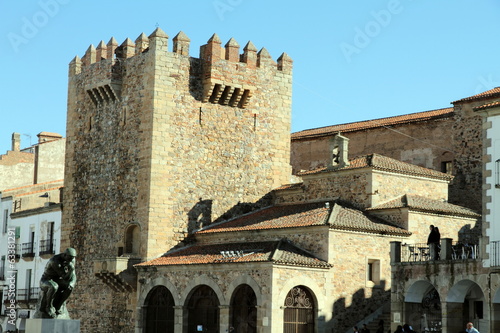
[395,252]
[446,250]
[224,318]
[452,317]
[179,319]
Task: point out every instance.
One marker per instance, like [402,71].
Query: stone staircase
[383,313]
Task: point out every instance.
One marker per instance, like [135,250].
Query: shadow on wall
[469,235]
[200,215]
[345,317]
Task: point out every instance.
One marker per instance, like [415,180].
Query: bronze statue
[56,284]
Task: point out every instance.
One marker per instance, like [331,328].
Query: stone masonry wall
[16,169]
[387,186]
[353,296]
[423,143]
[364,188]
[466,188]
[331,185]
[152,139]
[50,160]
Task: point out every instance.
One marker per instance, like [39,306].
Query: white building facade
[30,208]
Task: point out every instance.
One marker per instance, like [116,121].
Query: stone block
[52,326]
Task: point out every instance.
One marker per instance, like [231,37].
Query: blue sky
[353,60]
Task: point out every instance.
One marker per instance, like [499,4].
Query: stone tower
[160,144]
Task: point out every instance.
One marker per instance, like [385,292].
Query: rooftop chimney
[16,142]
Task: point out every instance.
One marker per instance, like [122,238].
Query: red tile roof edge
[411,201]
[367,161]
[32,185]
[485,94]
[215,256]
[487,106]
[373,123]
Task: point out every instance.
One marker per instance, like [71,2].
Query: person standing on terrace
[433,242]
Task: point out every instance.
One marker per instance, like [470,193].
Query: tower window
[447,167]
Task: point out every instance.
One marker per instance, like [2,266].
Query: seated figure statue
[56,284]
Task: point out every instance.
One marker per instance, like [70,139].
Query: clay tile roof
[374,123]
[486,94]
[354,220]
[487,106]
[419,203]
[275,217]
[278,252]
[379,162]
[335,216]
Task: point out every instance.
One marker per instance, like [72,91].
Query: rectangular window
[373,272]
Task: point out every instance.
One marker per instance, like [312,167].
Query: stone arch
[158,311]
[417,291]
[466,302]
[461,289]
[159,281]
[422,307]
[306,282]
[243,310]
[132,239]
[202,307]
[298,280]
[300,310]
[201,280]
[244,279]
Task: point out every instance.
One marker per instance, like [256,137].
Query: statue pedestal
[52,326]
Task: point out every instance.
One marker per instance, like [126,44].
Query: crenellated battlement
[211,52]
[228,77]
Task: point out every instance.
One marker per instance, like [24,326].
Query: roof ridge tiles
[373,123]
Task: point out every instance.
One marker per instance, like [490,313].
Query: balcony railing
[17,251]
[28,250]
[28,295]
[447,250]
[47,246]
[415,252]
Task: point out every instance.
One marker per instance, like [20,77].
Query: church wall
[421,143]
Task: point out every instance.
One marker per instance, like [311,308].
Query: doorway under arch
[422,308]
[203,310]
[466,302]
[299,311]
[244,310]
[159,311]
